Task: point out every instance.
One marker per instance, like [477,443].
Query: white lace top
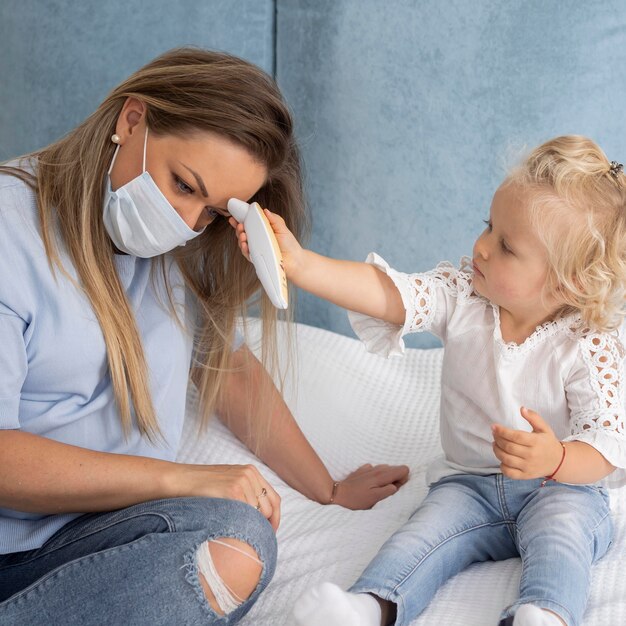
[572,377]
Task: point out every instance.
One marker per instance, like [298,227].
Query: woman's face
[197,173]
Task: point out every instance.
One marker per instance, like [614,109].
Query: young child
[532,413]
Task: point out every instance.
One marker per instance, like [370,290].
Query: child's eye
[504,247]
[183,187]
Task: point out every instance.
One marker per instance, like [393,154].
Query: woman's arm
[40,475]
[355,286]
[286,449]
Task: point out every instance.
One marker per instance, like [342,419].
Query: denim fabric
[558,530]
[131,566]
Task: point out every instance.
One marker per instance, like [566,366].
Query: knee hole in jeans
[229,571]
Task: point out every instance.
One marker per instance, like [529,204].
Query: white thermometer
[264,251]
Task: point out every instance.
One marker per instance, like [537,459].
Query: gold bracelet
[334,493]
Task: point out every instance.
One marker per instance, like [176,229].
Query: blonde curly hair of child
[578,210]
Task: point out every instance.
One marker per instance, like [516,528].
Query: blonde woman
[120,279]
[532,405]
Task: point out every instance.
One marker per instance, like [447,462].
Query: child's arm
[352,285]
[526,455]
[355,286]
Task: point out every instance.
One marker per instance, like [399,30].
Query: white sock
[531,615]
[328,605]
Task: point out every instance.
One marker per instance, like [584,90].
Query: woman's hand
[370,484]
[291,250]
[525,455]
[233,482]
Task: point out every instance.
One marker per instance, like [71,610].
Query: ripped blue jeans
[132,566]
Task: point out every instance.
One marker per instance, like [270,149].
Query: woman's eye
[488,223]
[182,185]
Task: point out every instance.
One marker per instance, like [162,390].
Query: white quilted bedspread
[358,408]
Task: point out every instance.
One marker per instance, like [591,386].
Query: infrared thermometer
[264,251]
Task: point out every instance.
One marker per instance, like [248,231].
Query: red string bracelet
[558,467]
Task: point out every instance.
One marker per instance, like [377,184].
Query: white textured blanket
[358,408]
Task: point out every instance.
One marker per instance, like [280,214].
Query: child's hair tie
[616,168]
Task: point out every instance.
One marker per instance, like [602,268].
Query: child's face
[510,262]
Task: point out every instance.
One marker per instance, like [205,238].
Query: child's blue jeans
[558,531]
[132,566]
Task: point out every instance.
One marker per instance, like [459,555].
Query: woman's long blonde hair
[185,90]
[579,213]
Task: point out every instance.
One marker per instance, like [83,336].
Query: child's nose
[480,248]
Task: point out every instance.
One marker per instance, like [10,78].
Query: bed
[359,408]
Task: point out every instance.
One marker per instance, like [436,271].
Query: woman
[120,279]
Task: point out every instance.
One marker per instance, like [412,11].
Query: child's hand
[290,249]
[525,455]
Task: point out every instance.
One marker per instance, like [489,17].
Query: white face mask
[139,218]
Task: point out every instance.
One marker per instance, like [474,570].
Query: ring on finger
[258,498]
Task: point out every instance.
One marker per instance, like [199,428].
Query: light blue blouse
[54,378]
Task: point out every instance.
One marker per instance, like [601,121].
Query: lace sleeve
[596,397]
[429,299]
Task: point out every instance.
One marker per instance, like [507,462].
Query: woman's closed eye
[488,223]
[182,186]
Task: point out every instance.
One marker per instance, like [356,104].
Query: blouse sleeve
[13,366]
[595,394]
[429,300]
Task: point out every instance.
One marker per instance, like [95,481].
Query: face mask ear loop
[113,160]
[145,145]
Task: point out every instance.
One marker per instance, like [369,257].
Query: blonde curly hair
[579,213]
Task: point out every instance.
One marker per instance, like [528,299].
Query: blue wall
[59,58]
[407,111]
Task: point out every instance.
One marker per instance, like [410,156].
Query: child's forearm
[583,464]
[355,286]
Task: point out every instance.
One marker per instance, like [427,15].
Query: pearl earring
[115,138]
